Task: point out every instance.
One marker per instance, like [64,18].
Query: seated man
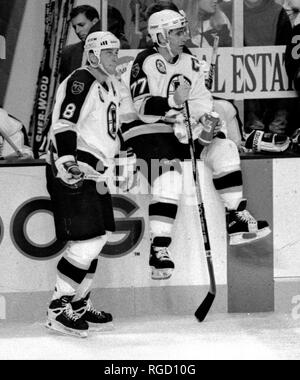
[13,138]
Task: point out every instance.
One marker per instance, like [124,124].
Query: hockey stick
[206,304]
[210,79]
[10,142]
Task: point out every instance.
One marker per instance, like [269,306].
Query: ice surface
[221,336]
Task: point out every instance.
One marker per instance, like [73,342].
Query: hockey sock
[162,216]
[77,262]
[86,284]
[69,277]
[230,188]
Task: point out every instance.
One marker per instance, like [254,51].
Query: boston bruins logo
[174,84]
[112,120]
[161,67]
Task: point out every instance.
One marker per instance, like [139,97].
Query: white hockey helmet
[163,22]
[98,41]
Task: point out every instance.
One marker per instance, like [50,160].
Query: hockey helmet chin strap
[101,67]
[166,46]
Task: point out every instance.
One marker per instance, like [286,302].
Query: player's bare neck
[167,56]
[99,75]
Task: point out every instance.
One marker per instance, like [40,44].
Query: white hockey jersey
[154,77]
[91,111]
[157,77]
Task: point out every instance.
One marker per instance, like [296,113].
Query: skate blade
[161,274]
[57,327]
[246,238]
[101,327]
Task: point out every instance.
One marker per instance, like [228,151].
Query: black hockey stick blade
[205,306]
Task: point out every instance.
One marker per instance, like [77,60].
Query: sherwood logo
[2,47]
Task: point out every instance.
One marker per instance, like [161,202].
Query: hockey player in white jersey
[83,141]
[159,93]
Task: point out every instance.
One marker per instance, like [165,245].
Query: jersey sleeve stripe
[147,129]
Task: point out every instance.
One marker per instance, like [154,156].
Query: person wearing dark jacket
[115,25]
[266,23]
[83,18]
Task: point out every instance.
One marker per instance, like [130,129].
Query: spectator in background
[83,18]
[292,57]
[139,33]
[266,24]
[146,6]
[292,8]
[227,7]
[115,25]
[207,20]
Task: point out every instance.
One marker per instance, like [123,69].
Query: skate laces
[91,309]
[162,253]
[69,312]
[245,216]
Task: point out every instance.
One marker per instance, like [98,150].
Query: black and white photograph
[149,183]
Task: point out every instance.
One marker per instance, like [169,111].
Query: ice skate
[243,228]
[63,319]
[97,320]
[161,264]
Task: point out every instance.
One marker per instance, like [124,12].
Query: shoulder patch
[77,87]
[161,67]
[135,70]
[196,65]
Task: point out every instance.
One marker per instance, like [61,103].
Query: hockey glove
[126,170]
[181,95]
[259,141]
[180,129]
[69,172]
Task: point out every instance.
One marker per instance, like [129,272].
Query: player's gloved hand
[126,170]
[180,128]
[180,95]
[69,172]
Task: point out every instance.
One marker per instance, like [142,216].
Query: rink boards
[245,275]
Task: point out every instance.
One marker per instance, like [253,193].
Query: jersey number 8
[69,111]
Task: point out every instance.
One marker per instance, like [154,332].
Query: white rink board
[286,190]
[19,273]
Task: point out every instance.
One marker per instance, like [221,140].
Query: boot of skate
[160,262]
[97,320]
[243,228]
[62,318]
